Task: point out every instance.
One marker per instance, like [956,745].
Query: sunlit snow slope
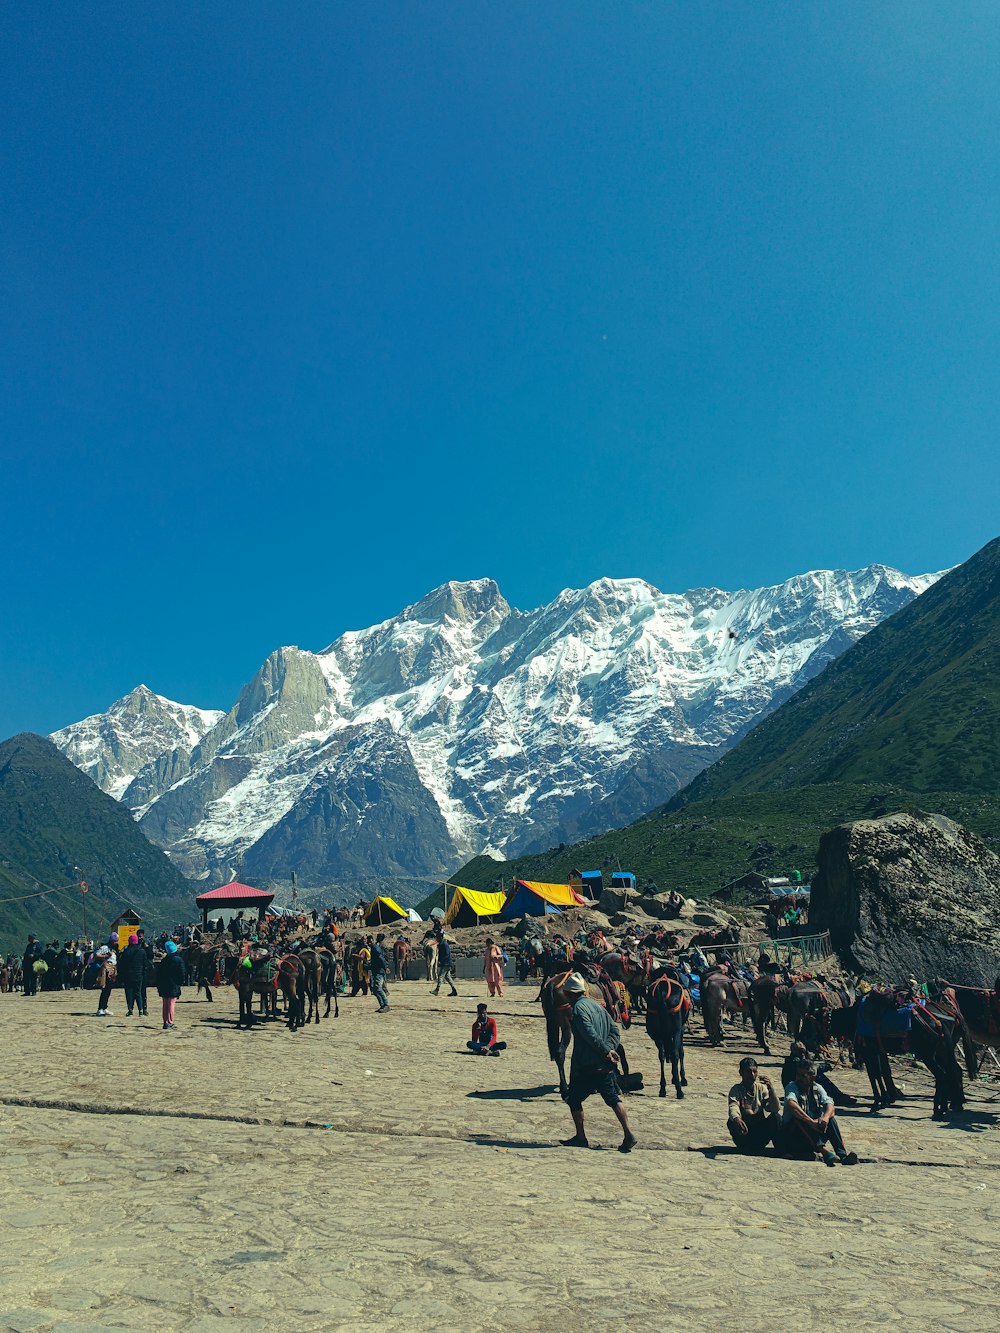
[462,724]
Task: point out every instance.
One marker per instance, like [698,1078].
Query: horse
[401,955]
[931,1035]
[260,977]
[767,993]
[557,1008]
[633,974]
[669,1006]
[312,982]
[808,1004]
[431,959]
[294,980]
[980,1011]
[720,993]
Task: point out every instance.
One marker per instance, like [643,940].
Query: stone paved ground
[370,1174]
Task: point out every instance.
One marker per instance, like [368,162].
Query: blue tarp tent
[530,898]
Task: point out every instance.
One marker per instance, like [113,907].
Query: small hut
[125,925]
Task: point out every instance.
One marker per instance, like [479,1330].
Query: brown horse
[980,1011]
[631,972]
[259,977]
[721,994]
[294,980]
[558,1011]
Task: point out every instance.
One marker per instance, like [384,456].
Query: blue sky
[308,308]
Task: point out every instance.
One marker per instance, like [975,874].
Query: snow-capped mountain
[463,725]
[141,730]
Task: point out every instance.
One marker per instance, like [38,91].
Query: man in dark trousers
[379,971]
[596,1039]
[29,976]
[754,1109]
[132,975]
[446,964]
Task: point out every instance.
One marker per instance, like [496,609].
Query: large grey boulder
[910,895]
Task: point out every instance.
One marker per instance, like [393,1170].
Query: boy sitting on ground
[484,1034]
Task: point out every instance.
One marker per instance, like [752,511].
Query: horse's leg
[663,1068]
[677,1054]
[208,992]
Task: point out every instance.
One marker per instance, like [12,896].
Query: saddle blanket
[890,1022]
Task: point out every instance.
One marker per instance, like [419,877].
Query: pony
[980,1011]
[431,958]
[260,977]
[557,1009]
[720,993]
[931,1036]
[666,1017]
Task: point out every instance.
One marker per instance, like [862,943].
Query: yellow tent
[383,911]
[471,908]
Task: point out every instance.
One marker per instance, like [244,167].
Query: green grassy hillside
[915,704]
[57,827]
[707,844]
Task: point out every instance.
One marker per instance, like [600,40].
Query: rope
[60,888]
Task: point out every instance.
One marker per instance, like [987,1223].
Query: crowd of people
[801,1122]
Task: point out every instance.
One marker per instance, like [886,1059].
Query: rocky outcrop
[910,895]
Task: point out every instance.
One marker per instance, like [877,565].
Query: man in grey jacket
[596,1040]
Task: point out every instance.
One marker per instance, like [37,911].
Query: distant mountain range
[463,724]
[56,829]
[906,719]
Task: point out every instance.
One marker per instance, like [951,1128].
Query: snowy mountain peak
[139,728]
[462,724]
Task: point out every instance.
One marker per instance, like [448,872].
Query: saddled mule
[669,1006]
[879,1026]
[720,994]
[631,972]
[293,978]
[809,1004]
[980,1010]
[208,965]
[312,982]
[259,978]
[558,1009]
[768,994]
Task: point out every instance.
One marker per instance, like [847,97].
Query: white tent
[412,915]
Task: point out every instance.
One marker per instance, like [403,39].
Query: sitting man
[484,1034]
[754,1109]
[808,1122]
[799,1052]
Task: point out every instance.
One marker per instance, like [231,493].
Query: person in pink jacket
[493,967]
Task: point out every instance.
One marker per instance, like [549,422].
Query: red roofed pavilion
[229,896]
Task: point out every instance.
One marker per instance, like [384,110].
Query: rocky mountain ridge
[463,724]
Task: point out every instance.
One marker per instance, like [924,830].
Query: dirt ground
[371,1174]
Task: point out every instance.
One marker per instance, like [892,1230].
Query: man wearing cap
[754,1109]
[596,1039]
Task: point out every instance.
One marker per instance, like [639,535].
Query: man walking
[446,963]
[380,969]
[596,1039]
